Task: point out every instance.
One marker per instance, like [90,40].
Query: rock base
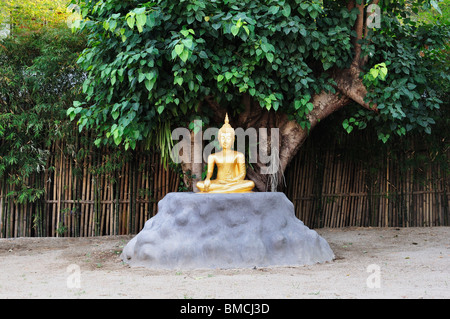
[237,230]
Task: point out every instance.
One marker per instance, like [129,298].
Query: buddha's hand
[207,183]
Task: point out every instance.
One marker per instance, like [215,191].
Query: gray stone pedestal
[237,230]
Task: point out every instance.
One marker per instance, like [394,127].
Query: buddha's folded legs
[234,187]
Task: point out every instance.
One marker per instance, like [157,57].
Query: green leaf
[436,6]
[97,142]
[374,73]
[141,19]
[141,77]
[287,10]
[185,33]
[184,55]
[160,109]
[130,21]
[347,126]
[266,47]
[269,57]
[274,9]
[149,84]
[234,30]
[188,43]
[72,115]
[179,48]
[117,139]
[411,86]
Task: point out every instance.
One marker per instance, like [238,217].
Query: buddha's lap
[242,184]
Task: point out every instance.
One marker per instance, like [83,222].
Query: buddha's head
[226,135]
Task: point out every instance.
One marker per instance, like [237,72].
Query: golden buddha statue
[230,167]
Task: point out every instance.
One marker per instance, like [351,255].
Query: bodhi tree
[155,65]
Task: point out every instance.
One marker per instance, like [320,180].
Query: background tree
[29,15]
[38,74]
[155,65]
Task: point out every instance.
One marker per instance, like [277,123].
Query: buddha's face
[226,139]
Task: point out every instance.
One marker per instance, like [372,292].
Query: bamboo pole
[108,207]
[333,191]
[352,200]
[84,211]
[104,206]
[147,190]
[124,213]
[1,210]
[309,190]
[68,196]
[131,200]
[347,202]
[313,180]
[16,220]
[155,182]
[325,189]
[166,172]
[92,186]
[429,206]
[386,205]
[301,184]
[112,205]
[116,205]
[140,191]
[93,196]
[364,202]
[159,188]
[54,183]
[59,189]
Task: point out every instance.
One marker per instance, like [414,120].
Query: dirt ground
[370,263]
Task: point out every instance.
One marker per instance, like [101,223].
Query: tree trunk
[291,135]
[192,170]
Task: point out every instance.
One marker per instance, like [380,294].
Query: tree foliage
[414,83]
[26,15]
[38,72]
[152,63]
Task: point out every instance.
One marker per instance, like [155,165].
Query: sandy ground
[370,263]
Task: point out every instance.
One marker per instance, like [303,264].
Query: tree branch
[349,83]
[359,28]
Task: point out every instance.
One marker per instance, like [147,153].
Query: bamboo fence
[90,203]
[328,189]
